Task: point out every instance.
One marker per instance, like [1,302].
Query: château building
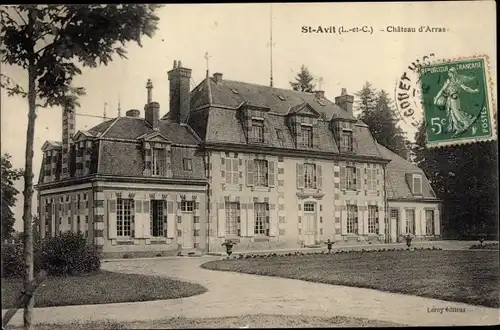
[268,168]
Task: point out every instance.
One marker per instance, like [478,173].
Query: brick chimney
[180,97]
[218,77]
[320,94]
[345,101]
[68,131]
[152,114]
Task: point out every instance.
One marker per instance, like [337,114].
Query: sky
[236,37]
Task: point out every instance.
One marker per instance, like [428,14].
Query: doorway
[310,229]
[187,208]
[394,218]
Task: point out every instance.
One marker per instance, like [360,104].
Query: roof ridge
[112,124]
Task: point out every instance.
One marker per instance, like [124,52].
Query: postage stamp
[457,101]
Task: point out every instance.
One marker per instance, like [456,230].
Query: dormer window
[307,136]
[417,184]
[257,131]
[158,162]
[187,164]
[346,141]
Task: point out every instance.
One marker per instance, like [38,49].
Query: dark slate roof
[396,183]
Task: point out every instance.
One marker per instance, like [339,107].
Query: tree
[377,112]
[465,178]
[9,193]
[52,43]
[303,81]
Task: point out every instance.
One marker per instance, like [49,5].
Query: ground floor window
[158,217]
[124,217]
[232,218]
[352,219]
[410,222]
[261,218]
[429,222]
[372,219]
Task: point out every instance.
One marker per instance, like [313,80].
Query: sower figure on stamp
[448,98]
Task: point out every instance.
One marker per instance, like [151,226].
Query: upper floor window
[346,141]
[351,178]
[309,176]
[187,206]
[187,164]
[257,131]
[371,178]
[417,184]
[307,136]
[158,161]
[261,173]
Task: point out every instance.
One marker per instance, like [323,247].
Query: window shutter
[229,178]
[319,177]
[236,172]
[139,219]
[250,220]
[221,220]
[358,178]
[170,220]
[112,218]
[271,173]
[343,215]
[273,224]
[223,169]
[343,181]
[249,166]
[146,219]
[300,175]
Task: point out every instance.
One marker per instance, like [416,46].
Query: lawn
[249,321]
[100,288]
[462,276]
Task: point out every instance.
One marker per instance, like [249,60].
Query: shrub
[69,254]
[13,259]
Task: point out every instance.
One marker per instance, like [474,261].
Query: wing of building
[267,168]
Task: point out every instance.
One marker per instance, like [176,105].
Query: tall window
[352,219]
[307,136]
[371,178]
[310,176]
[233,219]
[417,184]
[158,162]
[372,219]
[261,218]
[410,222]
[261,173]
[158,215]
[350,177]
[346,142]
[232,172]
[429,222]
[124,217]
[257,131]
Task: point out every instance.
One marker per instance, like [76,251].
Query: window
[371,179]
[346,142]
[307,136]
[308,207]
[232,219]
[410,222]
[261,218]
[187,164]
[279,134]
[187,206]
[417,184]
[158,217]
[309,176]
[158,162]
[429,222]
[48,159]
[232,171]
[257,131]
[261,178]
[124,217]
[352,219]
[372,219]
[350,178]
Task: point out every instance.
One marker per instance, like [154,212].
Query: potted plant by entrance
[408,238]
[329,245]
[229,247]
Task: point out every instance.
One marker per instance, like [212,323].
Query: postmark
[457,101]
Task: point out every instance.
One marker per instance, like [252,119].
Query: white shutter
[170,220]
[343,217]
[146,218]
[221,220]
[243,220]
[319,177]
[365,215]
[300,175]
[111,219]
[251,220]
[273,222]
[358,178]
[271,178]
[223,169]
[250,174]
[139,219]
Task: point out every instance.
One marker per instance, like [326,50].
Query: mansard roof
[397,186]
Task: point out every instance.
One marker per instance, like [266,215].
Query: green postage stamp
[457,99]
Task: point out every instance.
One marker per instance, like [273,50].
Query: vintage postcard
[249,165]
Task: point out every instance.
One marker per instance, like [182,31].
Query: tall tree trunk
[28,179]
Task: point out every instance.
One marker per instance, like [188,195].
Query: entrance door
[394,218]
[310,224]
[187,224]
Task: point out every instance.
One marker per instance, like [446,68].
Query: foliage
[377,111]
[9,193]
[12,257]
[303,81]
[465,178]
[69,254]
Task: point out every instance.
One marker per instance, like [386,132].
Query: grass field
[249,321]
[463,276]
[100,288]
